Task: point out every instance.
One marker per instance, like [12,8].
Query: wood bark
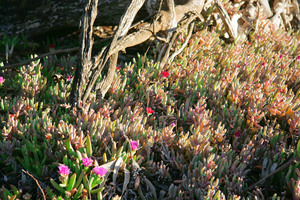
[35,17]
[104,64]
[165,20]
[167,17]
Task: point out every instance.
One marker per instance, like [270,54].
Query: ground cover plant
[221,121]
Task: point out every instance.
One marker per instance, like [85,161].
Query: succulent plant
[221,121]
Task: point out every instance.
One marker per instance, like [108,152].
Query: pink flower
[237,134]
[263,64]
[87,161]
[64,170]
[1,79]
[149,110]
[173,124]
[69,78]
[100,171]
[165,74]
[298,57]
[134,145]
[280,56]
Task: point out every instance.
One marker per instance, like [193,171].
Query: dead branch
[37,182]
[87,42]
[110,67]
[226,20]
[165,22]
[86,45]
[187,23]
[172,25]
[266,6]
[104,64]
[279,169]
[184,44]
[160,25]
[13,66]
[89,68]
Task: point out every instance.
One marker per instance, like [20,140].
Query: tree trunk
[36,17]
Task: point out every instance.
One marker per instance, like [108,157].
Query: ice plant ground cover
[219,122]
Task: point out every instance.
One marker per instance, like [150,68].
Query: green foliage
[209,125]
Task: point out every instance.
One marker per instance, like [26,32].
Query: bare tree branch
[184,44]
[266,6]
[160,25]
[37,182]
[125,23]
[104,63]
[12,66]
[226,19]
[164,53]
[86,46]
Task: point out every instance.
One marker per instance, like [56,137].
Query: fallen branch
[37,182]
[282,167]
[184,44]
[106,59]
[12,66]
[104,63]
[172,26]
[226,20]
[161,25]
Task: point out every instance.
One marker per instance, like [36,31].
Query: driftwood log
[36,17]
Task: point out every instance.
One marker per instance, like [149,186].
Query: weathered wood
[36,17]
[123,28]
[89,69]
[104,64]
[87,23]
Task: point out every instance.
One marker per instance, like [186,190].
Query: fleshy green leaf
[89,149]
[78,193]
[79,180]
[71,182]
[56,186]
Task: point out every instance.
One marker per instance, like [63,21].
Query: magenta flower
[87,161]
[100,171]
[69,78]
[237,134]
[280,56]
[165,74]
[149,110]
[1,79]
[263,64]
[298,57]
[173,124]
[64,170]
[134,145]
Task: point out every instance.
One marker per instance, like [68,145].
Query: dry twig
[184,44]
[37,182]
[279,169]
[13,66]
